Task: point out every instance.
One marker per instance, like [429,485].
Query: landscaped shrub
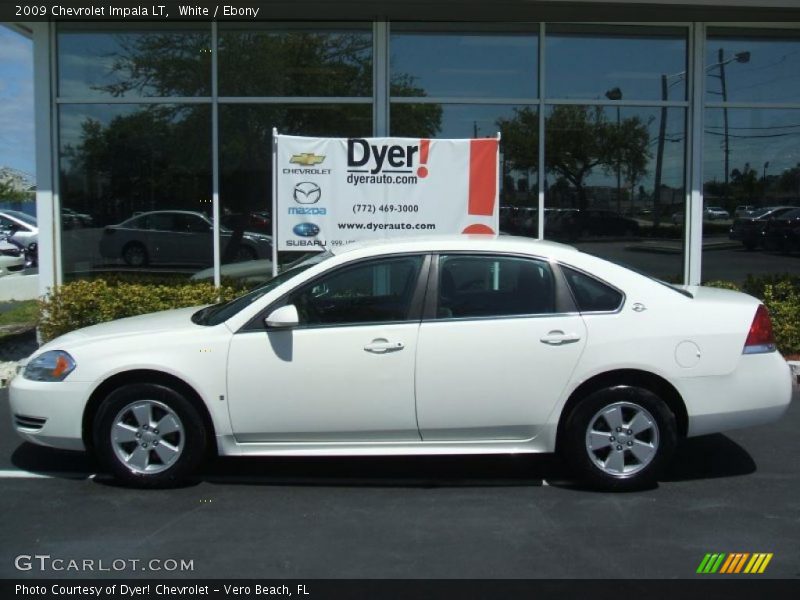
[88,302]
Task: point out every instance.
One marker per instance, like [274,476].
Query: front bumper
[49,414]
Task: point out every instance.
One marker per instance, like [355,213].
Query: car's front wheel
[149,435]
[620,438]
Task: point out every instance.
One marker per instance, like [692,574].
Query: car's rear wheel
[149,435]
[620,438]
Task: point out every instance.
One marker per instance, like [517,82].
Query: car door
[496,348]
[346,372]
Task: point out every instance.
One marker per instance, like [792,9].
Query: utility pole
[615,94]
[726,147]
[662,134]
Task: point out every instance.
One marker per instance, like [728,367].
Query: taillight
[760,339]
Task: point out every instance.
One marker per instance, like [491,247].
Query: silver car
[176,237]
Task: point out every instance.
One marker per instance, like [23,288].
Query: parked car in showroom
[20,226]
[453,345]
[176,237]
[783,232]
[750,229]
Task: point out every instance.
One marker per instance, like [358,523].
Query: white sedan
[467,345]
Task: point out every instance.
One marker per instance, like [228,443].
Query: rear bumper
[49,414]
[757,392]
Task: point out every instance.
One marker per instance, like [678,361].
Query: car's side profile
[466,345]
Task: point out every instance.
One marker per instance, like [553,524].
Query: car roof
[443,243]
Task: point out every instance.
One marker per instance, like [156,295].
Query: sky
[16,102]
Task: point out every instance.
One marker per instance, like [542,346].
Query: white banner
[335,191]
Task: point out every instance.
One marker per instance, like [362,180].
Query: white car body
[457,386]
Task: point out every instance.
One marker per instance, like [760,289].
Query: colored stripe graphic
[711,563]
[732,558]
[482,177]
[734,562]
[758,563]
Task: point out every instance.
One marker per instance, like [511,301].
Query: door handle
[558,338]
[382,346]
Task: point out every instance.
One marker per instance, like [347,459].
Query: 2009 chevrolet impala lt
[467,345]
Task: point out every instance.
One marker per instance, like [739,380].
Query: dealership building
[636,131]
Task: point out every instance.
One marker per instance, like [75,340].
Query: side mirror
[283,318]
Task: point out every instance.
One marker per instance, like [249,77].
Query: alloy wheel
[622,439]
[147,436]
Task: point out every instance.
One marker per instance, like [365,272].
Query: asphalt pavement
[422,517]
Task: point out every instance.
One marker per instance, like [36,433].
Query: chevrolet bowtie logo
[307,158]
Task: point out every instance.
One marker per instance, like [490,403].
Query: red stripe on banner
[482,176]
[424,147]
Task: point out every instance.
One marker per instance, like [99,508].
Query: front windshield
[218,313]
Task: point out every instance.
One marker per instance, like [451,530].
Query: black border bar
[397,10]
[701,588]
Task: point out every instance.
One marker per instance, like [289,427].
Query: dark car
[750,228]
[579,224]
[783,233]
[177,237]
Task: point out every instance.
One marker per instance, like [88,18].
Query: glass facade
[751,153]
[595,124]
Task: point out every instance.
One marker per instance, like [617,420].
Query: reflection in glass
[246,166]
[135,188]
[519,186]
[121,61]
[615,184]
[464,64]
[752,67]
[761,148]
[294,62]
[585,62]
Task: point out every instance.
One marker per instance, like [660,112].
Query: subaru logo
[306,229]
[307,192]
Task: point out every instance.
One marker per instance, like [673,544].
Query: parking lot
[445,517]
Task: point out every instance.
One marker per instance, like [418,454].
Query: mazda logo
[306,229]
[307,192]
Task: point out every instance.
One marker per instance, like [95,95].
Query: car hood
[169,320]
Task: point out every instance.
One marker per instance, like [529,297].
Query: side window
[590,294]
[373,292]
[494,286]
[161,222]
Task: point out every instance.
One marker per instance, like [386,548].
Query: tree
[578,140]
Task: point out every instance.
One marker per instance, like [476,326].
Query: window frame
[564,302]
[601,281]
[257,323]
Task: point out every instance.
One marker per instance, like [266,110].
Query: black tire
[192,439]
[585,463]
[135,255]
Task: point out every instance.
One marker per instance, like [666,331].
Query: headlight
[54,365]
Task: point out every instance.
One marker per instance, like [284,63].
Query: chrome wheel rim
[622,439]
[147,437]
